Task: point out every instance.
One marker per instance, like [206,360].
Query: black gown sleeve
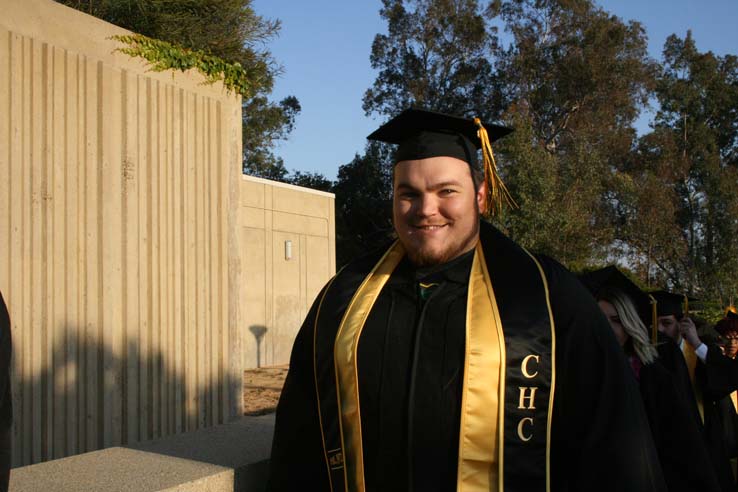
[717,378]
[6,350]
[672,359]
[297,459]
[600,435]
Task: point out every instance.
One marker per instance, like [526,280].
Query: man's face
[435,209]
[669,326]
[731,345]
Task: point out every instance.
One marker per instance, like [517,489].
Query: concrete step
[226,458]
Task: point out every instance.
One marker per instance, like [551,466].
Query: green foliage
[229,29]
[579,72]
[573,81]
[166,56]
[435,56]
[556,196]
[315,181]
[646,210]
[264,124]
[575,78]
[690,160]
[363,203]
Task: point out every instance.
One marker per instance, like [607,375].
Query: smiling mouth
[433,227]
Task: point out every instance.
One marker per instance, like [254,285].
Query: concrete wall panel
[300,224]
[119,235]
[280,291]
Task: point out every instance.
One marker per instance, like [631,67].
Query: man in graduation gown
[454,359]
[678,357]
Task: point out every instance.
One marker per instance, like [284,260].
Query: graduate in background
[6,410]
[454,359]
[678,438]
[675,354]
[716,377]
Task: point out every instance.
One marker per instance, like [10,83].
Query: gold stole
[480,437]
[690,357]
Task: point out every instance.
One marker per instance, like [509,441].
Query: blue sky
[324,48]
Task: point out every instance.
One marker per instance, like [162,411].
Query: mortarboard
[600,281]
[668,303]
[728,326]
[422,134]
[671,304]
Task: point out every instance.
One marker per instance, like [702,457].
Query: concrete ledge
[227,458]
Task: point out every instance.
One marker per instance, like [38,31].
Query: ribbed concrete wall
[118,252]
[281,289]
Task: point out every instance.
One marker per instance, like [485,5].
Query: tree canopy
[228,29]
[572,81]
[680,219]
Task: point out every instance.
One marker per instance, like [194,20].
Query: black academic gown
[672,359]
[410,361]
[682,452]
[718,378]
[6,410]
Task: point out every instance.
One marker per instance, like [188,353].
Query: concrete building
[142,271]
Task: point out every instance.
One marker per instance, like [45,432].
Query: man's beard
[425,258]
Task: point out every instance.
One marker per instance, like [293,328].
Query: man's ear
[482,196]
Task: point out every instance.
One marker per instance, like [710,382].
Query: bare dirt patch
[261,389]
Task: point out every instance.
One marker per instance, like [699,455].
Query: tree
[265,123]
[693,150]
[573,80]
[315,181]
[363,203]
[436,55]
[646,211]
[231,30]
[556,197]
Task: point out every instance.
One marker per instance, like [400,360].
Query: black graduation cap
[728,326]
[610,277]
[422,134]
[668,303]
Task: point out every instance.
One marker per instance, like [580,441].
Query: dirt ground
[261,389]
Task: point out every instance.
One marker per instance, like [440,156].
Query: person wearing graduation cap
[702,373]
[683,455]
[716,377]
[453,359]
[728,330]
[675,354]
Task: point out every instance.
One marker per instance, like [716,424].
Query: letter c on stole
[524,366]
[520,429]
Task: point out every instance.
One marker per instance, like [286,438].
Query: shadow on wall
[87,395]
[258,331]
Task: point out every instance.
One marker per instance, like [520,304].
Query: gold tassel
[497,193]
[654,320]
[686,305]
